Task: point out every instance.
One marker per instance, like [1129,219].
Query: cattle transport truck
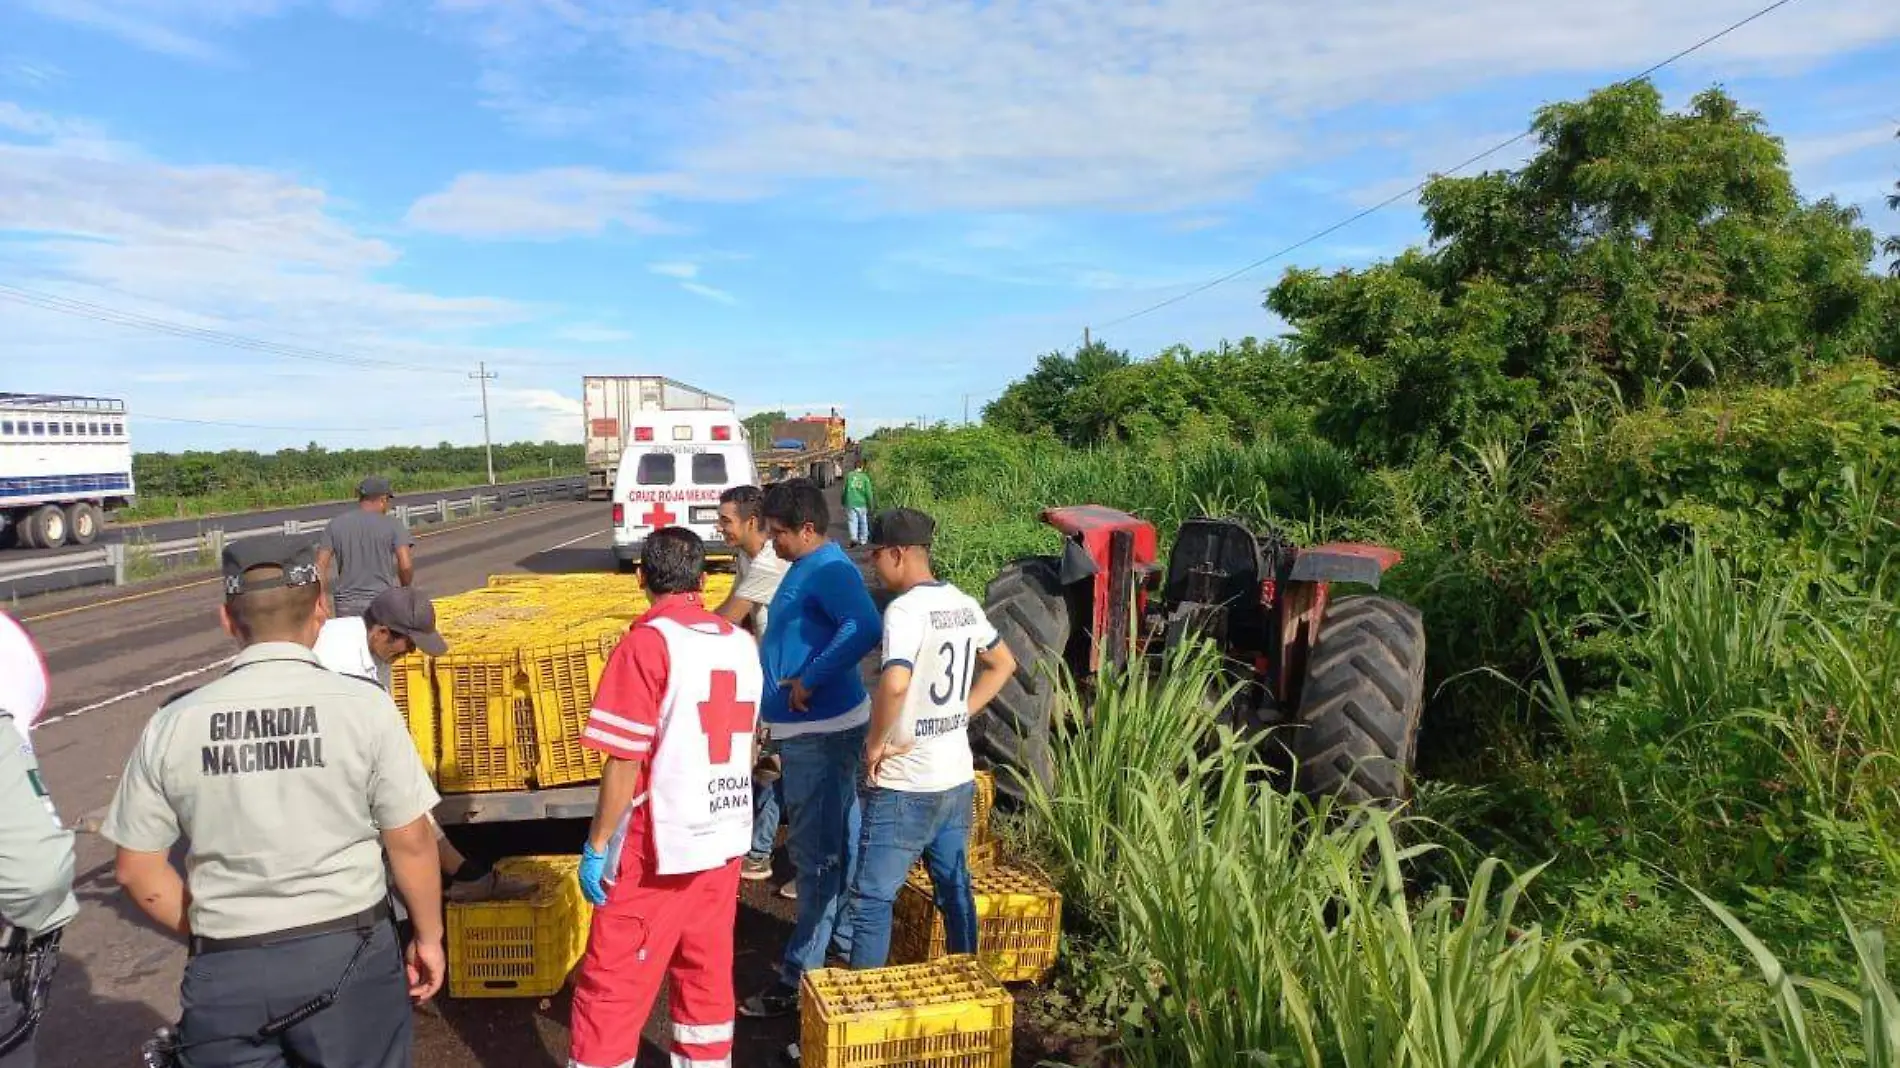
[64,462]
[608,405]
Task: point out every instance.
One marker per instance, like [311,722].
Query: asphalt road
[116,655]
[174,529]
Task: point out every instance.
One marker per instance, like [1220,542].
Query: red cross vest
[699,781]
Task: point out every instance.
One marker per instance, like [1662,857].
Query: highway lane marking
[571,541]
[129,694]
[130,597]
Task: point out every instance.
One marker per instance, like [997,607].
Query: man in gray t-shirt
[371,550]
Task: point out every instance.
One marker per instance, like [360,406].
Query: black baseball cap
[294,560]
[373,486]
[902,526]
[409,614]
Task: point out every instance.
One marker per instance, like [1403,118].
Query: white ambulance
[676,465]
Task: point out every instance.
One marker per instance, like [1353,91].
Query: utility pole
[1086,342]
[966,409]
[488,444]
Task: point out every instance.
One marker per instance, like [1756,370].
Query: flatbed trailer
[519,806]
[815,448]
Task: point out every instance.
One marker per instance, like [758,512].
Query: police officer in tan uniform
[36,853]
[289,782]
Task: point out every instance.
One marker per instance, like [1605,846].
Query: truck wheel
[1361,702]
[1026,606]
[83,521]
[48,527]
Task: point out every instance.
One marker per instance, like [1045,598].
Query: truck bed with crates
[813,446]
[65,462]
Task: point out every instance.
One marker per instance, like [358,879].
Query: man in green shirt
[857,505]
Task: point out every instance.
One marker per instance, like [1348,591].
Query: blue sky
[881,206]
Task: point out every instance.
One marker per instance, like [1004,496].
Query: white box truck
[64,462]
[608,405]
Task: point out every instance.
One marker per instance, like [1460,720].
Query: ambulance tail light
[643,433]
[722,433]
[682,433]
[620,513]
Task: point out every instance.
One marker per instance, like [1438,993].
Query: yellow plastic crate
[562,678]
[950,1013]
[520,949]
[1018,924]
[412,685]
[487,725]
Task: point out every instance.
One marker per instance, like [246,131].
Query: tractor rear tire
[1361,701]
[1011,738]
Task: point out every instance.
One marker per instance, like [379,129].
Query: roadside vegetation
[1632,419]
[189,484]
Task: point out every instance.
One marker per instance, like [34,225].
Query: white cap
[22,674]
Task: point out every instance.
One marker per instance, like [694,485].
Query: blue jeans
[898,827]
[766,799]
[860,521]
[820,780]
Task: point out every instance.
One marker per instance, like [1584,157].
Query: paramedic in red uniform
[674,714]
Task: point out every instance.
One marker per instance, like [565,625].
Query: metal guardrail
[208,545]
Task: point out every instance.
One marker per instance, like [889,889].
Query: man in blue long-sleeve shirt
[821,623]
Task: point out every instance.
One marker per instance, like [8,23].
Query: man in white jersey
[943,662]
[674,714]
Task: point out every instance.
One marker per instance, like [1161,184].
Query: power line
[138,321]
[1420,185]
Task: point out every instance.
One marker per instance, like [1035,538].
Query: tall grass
[1265,931]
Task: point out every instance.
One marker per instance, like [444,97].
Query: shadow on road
[84,1026]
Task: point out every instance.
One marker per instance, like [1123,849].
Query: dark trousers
[229,995]
[12,1011]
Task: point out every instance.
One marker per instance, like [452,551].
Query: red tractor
[1346,673]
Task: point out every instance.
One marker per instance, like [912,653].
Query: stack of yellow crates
[1018,913]
[505,708]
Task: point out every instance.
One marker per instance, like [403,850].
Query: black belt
[362,921]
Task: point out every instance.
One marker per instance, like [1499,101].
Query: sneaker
[756,870]
[775,1000]
[790,890]
[492,887]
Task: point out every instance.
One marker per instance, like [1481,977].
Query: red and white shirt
[680,696]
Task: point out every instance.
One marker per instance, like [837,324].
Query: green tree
[758,425]
[1044,400]
[1638,252]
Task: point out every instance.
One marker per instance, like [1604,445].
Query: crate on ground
[487,734]
[562,678]
[950,1013]
[412,685]
[1018,924]
[518,949]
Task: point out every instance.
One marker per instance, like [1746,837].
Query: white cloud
[558,414]
[1041,103]
[556,202]
[700,289]
[239,250]
[1816,150]
[684,271]
[593,334]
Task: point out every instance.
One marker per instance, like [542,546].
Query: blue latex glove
[593,870]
